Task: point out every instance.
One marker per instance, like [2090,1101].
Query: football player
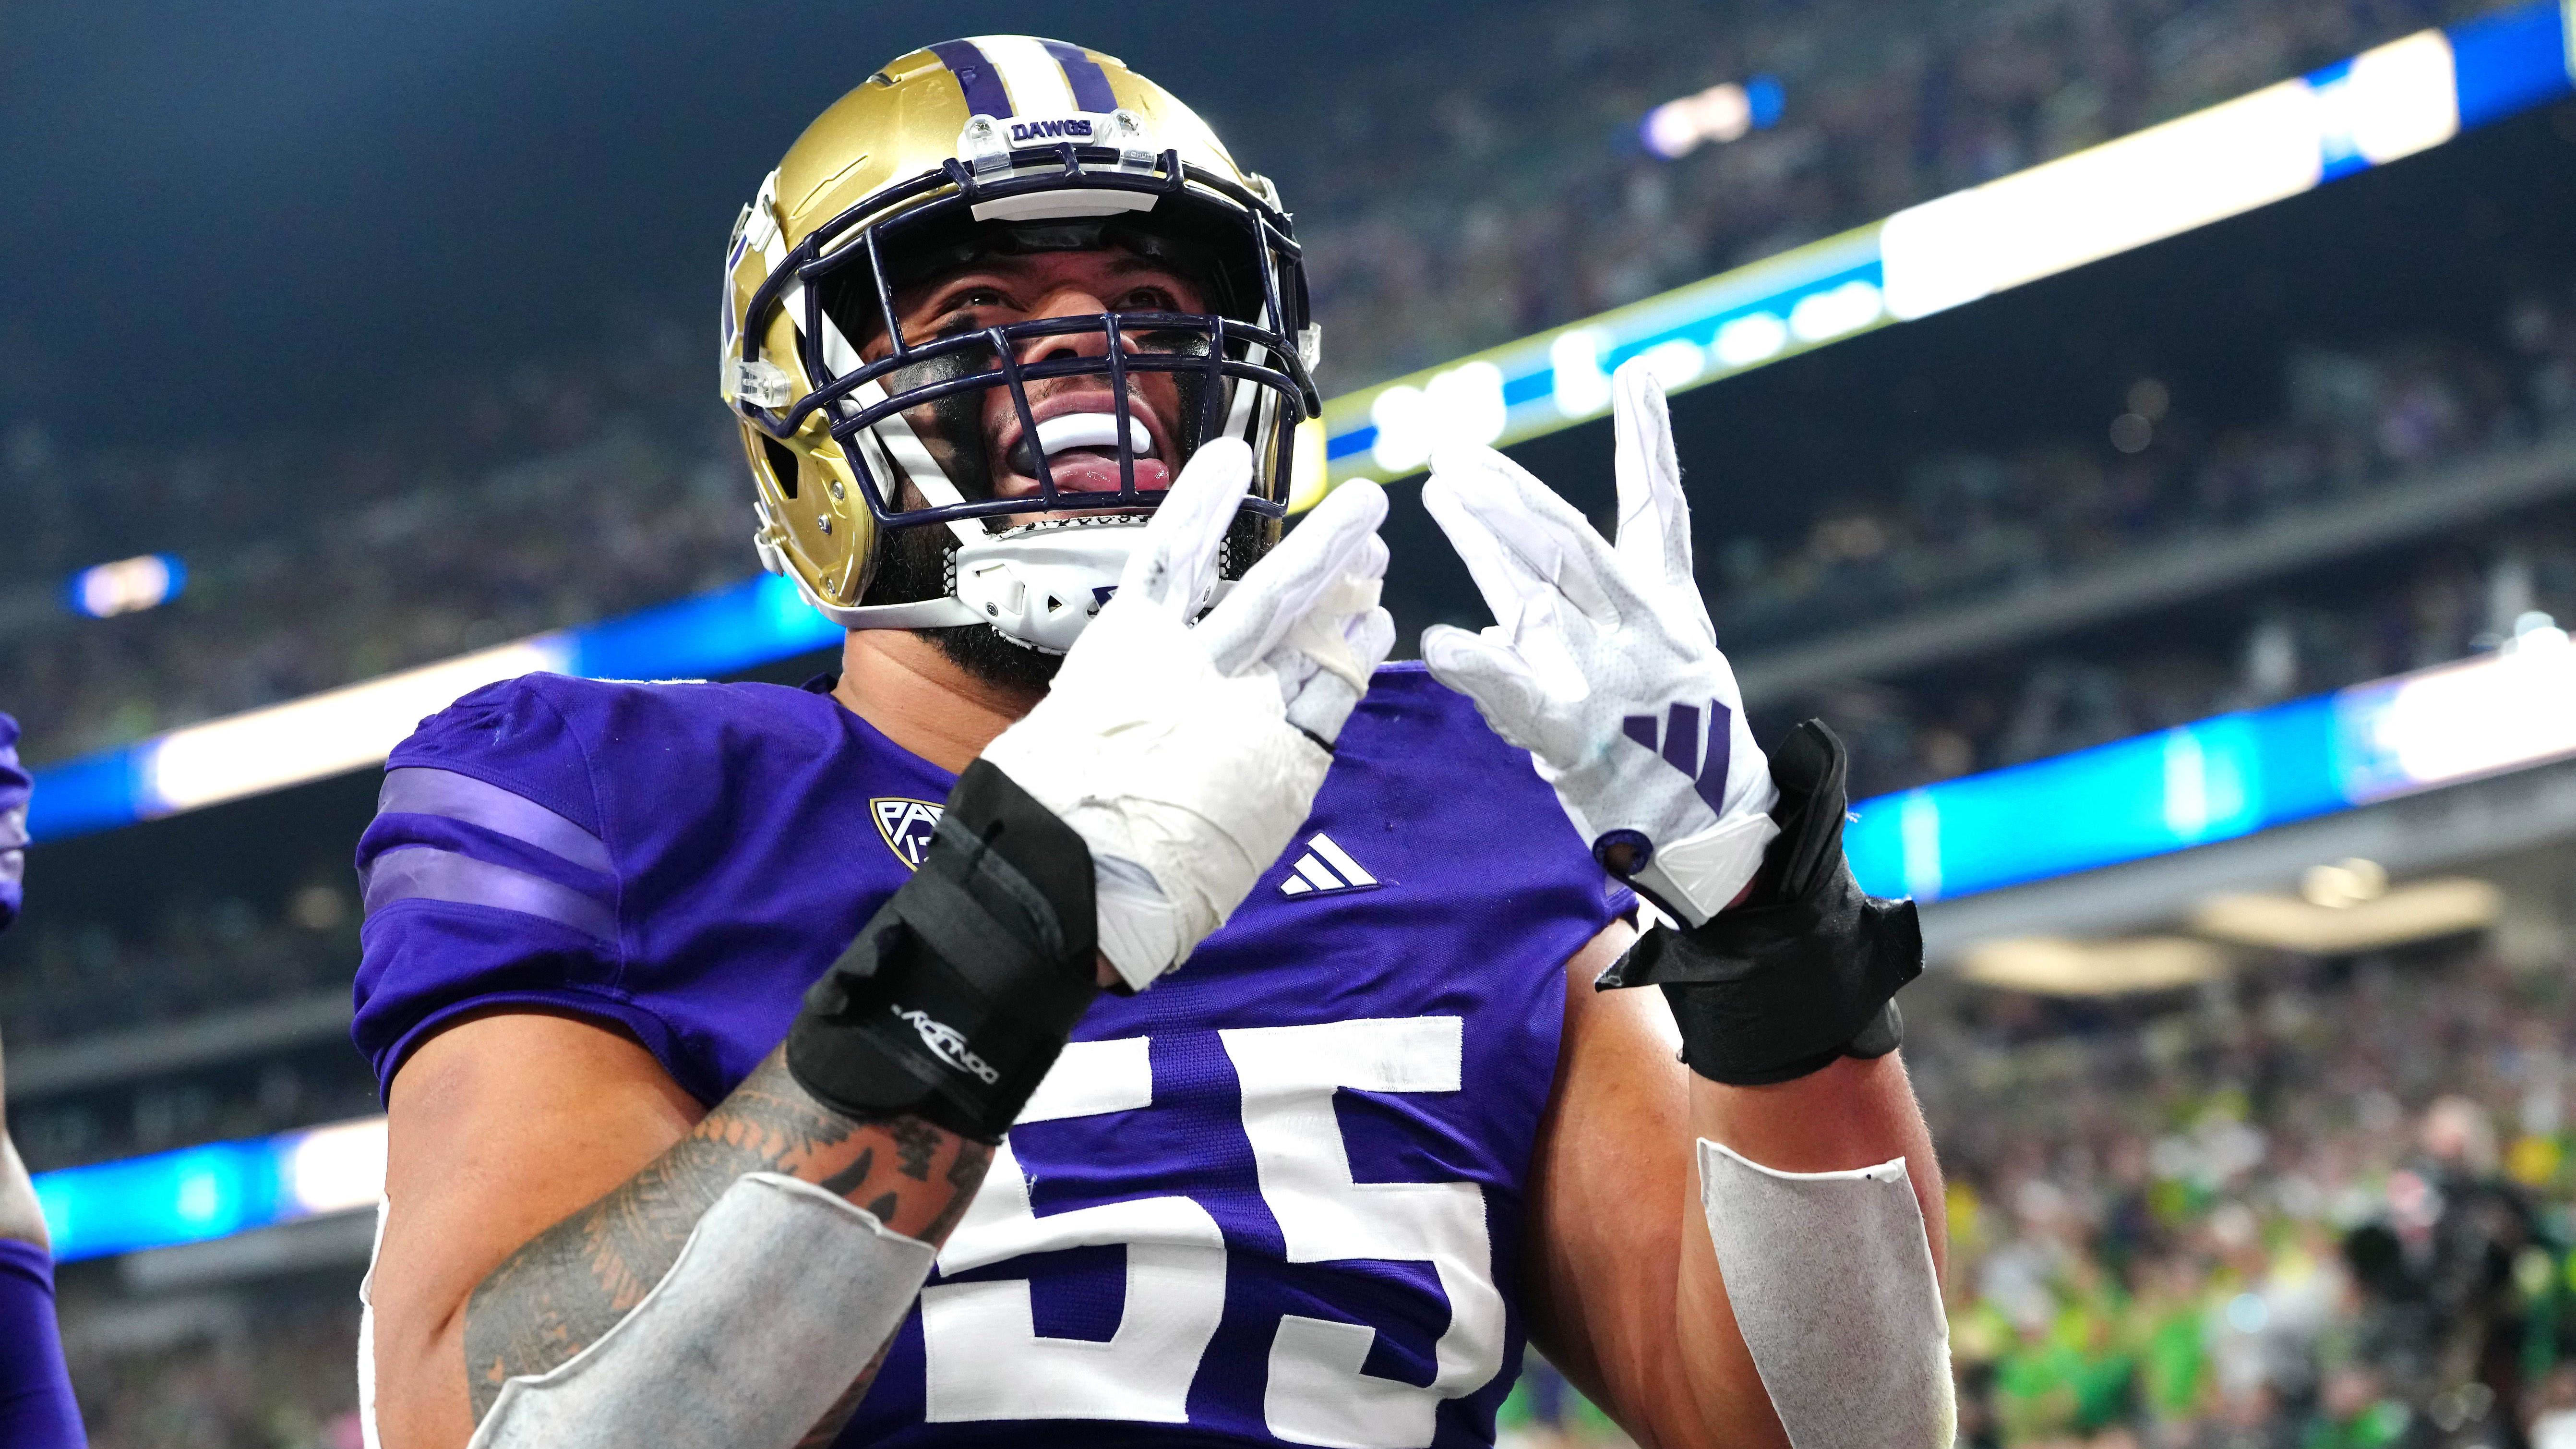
[1115,1008]
[36,1405]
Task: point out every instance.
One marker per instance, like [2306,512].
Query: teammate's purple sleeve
[37,1410]
[36,1406]
[13,822]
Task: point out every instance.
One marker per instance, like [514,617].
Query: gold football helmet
[1011,145]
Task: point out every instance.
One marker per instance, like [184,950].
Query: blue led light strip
[2214,780]
[2223,777]
[741,626]
[214,1190]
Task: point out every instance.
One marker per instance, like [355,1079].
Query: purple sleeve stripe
[421,872]
[420,790]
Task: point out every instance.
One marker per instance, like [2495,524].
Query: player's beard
[914,567]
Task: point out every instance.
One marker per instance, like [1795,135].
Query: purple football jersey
[1276,1198]
[37,1410]
[13,822]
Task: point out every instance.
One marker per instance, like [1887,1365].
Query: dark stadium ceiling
[246,211]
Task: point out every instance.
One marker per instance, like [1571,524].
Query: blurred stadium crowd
[569,494]
[1456,217]
[2413,419]
[2322,1205]
[2325,1204]
[564,488]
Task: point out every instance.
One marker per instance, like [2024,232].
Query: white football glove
[1603,663]
[1186,756]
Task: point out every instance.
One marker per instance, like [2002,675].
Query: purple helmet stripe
[421,872]
[1090,83]
[976,76]
[415,790]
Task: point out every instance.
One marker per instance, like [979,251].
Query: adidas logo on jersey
[906,825]
[1326,869]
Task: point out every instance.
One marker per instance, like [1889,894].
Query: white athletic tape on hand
[779,1299]
[1830,1278]
[1323,633]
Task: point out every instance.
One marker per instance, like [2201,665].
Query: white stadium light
[2424,911]
[335,1168]
[324,734]
[2398,99]
[1676,364]
[1458,404]
[1403,429]
[1751,338]
[1580,388]
[127,586]
[2460,721]
[1724,112]
[1466,403]
[1821,316]
[2055,966]
[2096,203]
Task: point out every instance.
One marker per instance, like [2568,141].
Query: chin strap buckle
[984,149]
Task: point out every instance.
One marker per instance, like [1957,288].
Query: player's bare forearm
[20,1216]
[1856,1113]
[574,1281]
[1626,1296]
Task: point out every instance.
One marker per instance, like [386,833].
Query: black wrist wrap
[959,994]
[1805,972]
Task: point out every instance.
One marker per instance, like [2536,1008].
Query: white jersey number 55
[986,1360]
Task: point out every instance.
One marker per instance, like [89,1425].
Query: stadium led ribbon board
[2394,101]
[2224,777]
[2386,103]
[2215,780]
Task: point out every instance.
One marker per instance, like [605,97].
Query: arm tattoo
[574,1281]
[914,1143]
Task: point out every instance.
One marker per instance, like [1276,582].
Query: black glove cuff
[1804,973]
[959,993]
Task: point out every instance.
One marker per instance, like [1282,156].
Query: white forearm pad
[778,1301]
[1831,1279]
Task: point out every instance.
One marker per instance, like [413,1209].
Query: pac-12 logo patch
[906,826]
